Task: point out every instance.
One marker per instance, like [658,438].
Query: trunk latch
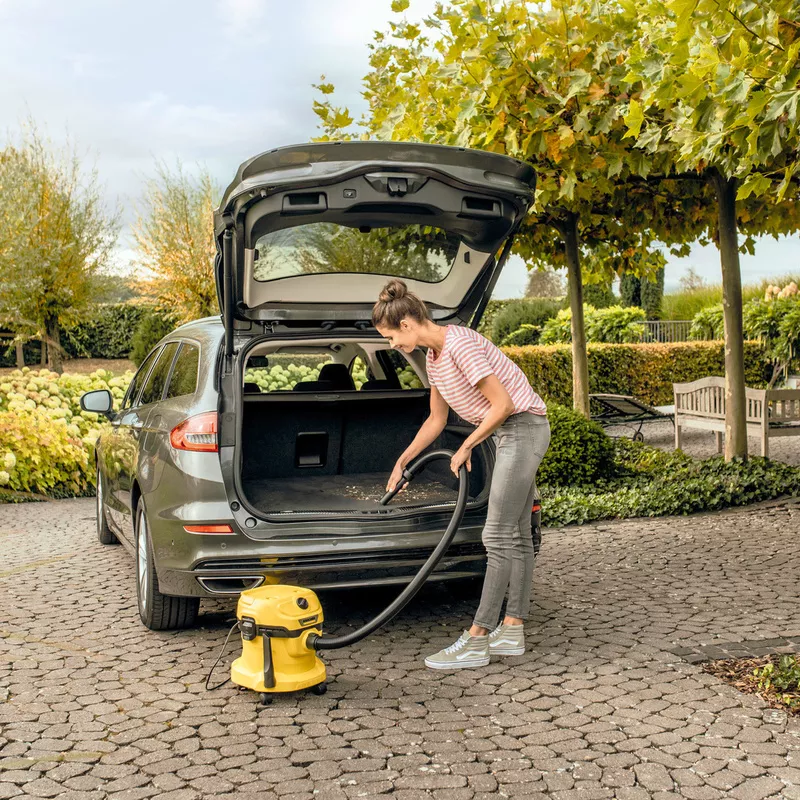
[396,184]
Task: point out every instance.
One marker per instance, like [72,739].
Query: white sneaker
[467,651]
[507,640]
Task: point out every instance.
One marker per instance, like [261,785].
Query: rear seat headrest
[338,375]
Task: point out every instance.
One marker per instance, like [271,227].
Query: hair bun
[394,290]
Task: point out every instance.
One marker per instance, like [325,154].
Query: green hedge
[108,333]
[646,371]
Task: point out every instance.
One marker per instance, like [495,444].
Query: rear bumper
[323,567]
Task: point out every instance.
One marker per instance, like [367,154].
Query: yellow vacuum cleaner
[281,626]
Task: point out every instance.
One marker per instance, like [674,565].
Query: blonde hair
[396,303]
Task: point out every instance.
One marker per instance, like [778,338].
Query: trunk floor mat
[342,493]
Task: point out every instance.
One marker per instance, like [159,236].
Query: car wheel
[104,534]
[158,612]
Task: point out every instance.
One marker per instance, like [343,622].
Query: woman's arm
[430,429]
[427,434]
[502,407]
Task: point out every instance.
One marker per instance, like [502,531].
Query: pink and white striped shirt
[466,358]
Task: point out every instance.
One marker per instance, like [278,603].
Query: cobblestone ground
[95,706]
[702,444]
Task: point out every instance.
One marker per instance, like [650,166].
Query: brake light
[536,508]
[196,433]
[224,530]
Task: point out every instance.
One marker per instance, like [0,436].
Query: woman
[484,387]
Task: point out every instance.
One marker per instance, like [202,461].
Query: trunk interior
[308,454]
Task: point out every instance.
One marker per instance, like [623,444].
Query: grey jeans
[520,444]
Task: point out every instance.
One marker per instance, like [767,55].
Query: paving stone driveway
[95,706]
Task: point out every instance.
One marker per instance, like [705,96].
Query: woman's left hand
[462,456]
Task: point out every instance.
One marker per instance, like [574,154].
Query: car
[252,447]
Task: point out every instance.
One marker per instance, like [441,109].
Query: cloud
[242,17]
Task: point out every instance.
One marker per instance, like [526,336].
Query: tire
[158,612]
[638,436]
[104,534]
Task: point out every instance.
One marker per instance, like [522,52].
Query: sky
[214,82]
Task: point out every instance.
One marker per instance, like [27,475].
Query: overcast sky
[213,82]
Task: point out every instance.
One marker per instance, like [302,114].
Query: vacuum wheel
[320,688]
[265,699]
[638,436]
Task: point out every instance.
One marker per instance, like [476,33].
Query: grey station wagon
[253,447]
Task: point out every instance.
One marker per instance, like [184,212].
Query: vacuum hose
[334,642]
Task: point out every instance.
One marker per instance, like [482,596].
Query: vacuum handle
[408,476]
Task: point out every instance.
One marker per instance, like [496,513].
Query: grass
[684,305]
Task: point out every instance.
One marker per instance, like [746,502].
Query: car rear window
[157,379]
[184,376]
[417,252]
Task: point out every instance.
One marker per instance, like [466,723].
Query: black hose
[316,642]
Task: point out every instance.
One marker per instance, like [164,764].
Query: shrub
[708,324]
[515,313]
[654,483]
[152,328]
[44,454]
[613,324]
[524,335]
[599,295]
[580,451]
[107,333]
[646,371]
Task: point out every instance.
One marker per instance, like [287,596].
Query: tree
[544,84]
[714,94]
[175,236]
[544,283]
[55,240]
[691,280]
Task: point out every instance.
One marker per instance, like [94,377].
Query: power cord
[219,658]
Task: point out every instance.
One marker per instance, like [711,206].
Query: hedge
[107,333]
[646,371]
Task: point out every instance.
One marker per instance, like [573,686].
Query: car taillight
[196,433]
[536,508]
[224,530]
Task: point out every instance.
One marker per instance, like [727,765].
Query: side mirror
[98,402]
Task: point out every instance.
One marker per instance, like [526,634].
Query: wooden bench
[768,413]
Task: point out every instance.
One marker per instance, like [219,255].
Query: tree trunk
[580,359]
[54,345]
[735,424]
[43,359]
[18,346]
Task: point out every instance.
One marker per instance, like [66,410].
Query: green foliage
[493,308]
[580,452]
[646,371]
[776,323]
[613,324]
[46,440]
[153,326]
[654,483]
[708,324]
[522,336]
[780,677]
[630,290]
[599,295]
[106,332]
[56,237]
[652,292]
[515,313]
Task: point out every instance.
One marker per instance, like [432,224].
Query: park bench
[768,412]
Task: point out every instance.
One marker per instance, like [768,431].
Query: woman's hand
[462,456]
[395,477]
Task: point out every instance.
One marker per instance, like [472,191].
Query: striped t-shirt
[466,358]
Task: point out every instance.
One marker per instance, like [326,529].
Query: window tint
[405,372]
[157,379]
[136,383]
[184,376]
